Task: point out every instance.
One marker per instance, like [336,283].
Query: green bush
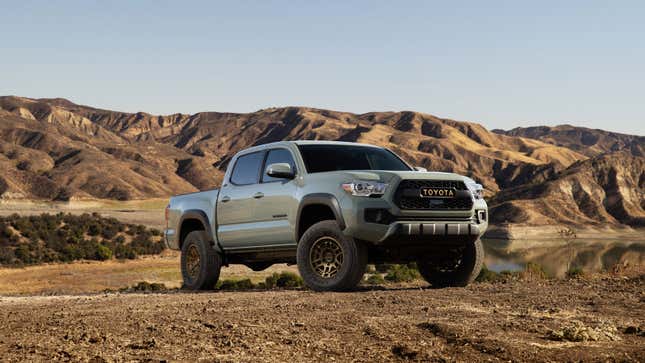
[402,273]
[283,279]
[125,252]
[23,254]
[65,237]
[376,279]
[7,256]
[94,229]
[230,284]
[145,286]
[103,253]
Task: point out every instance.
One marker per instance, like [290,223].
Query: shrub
[283,279]
[376,279]
[402,273]
[289,279]
[7,256]
[229,284]
[23,254]
[94,229]
[109,231]
[145,286]
[271,281]
[63,238]
[103,253]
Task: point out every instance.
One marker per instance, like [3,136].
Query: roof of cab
[300,142]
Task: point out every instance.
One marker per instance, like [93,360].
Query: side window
[247,169]
[277,156]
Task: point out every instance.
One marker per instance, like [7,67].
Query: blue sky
[501,63]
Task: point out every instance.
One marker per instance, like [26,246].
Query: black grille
[407,195]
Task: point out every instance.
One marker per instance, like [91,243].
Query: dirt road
[515,321]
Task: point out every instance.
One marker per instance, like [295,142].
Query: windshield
[321,158]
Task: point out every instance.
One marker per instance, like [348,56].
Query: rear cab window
[247,169]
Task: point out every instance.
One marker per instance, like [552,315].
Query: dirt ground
[516,321]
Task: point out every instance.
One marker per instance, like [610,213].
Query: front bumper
[413,226]
[433,229]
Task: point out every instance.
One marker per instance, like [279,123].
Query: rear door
[237,202]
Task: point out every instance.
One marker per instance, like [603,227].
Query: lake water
[557,256]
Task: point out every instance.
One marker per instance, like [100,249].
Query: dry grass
[149,212]
[92,276]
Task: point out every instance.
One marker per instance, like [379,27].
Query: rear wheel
[459,267]
[200,263]
[328,260]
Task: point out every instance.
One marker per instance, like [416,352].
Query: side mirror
[280,170]
[418,168]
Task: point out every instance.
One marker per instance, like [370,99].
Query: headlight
[475,188]
[364,188]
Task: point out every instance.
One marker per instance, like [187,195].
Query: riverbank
[564,232]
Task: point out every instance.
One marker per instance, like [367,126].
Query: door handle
[225,199]
[258,195]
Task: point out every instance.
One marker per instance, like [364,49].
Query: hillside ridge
[55,149]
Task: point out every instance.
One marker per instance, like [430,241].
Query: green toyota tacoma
[332,208]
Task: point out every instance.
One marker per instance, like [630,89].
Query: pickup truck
[331,208]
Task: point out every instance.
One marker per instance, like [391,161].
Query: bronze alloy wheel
[193,262]
[326,257]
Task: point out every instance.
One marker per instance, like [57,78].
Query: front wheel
[328,260]
[459,267]
[200,263]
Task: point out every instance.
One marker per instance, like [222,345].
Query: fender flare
[203,219]
[326,199]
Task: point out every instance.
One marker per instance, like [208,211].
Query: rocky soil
[560,320]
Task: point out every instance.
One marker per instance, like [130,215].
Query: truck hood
[389,176]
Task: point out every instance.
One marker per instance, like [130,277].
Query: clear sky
[501,63]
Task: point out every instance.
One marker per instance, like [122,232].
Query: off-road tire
[472,260]
[353,265]
[205,276]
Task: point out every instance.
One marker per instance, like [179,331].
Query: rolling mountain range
[56,150]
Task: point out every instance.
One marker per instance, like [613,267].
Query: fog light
[377,215]
[481,216]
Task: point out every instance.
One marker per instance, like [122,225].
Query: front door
[276,209]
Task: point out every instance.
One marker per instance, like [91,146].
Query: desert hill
[55,149]
[607,189]
[188,145]
[590,142]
